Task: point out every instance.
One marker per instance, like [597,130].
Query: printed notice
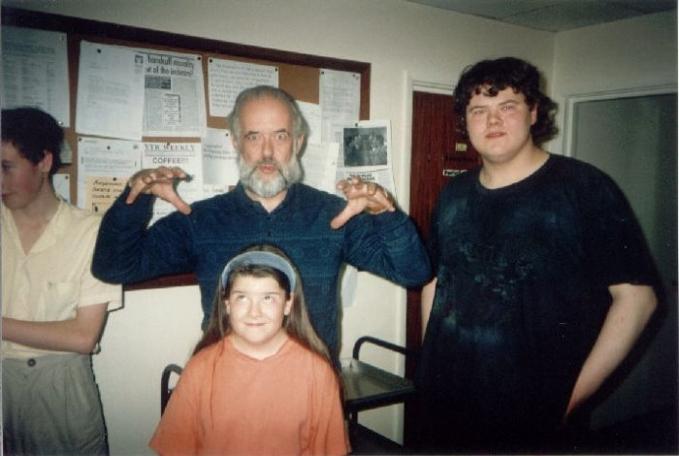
[312,115]
[104,166]
[367,145]
[340,96]
[366,153]
[186,156]
[62,185]
[319,162]
[174,94]
[35,71]
[220,167]
[228,78]
[102,191]
[110,91]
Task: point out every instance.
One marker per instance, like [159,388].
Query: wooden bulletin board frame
[298,75]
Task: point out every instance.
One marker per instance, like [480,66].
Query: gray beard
[288,174]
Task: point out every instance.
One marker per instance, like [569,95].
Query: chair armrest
[165,390]
[381,343]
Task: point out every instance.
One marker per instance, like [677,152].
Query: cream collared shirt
[52,280]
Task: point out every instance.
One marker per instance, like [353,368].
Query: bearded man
[318,231]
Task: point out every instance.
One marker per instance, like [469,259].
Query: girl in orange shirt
[261,381]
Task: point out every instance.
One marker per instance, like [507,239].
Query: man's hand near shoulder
[362,197]
[160,182]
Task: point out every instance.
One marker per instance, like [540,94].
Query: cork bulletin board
[298,74]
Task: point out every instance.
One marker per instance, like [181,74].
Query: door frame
[571,100]
[415,85]
[614,404]
[412,85]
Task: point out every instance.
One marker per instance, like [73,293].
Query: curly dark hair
[492,76]
[33,132]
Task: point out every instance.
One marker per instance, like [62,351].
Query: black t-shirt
[523,274]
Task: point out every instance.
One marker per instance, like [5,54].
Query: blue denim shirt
[218,228]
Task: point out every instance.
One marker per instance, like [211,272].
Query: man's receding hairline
[265,96]
[288,107]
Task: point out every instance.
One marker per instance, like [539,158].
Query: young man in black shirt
[543,280]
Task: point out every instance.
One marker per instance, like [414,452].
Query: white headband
[259,258]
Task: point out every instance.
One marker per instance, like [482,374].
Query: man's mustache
[271,161]
[266,161]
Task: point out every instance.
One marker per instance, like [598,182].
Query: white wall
[628,55]
[402,41]
[154,329]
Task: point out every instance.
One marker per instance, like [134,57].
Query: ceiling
[553,15]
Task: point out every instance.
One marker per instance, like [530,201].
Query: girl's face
[256,307]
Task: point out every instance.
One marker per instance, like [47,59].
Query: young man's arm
[630,310]
[426,303]
[79,334]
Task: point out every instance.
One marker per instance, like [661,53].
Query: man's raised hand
[160,182]
[361,196]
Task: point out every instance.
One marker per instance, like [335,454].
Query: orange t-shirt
[228,403]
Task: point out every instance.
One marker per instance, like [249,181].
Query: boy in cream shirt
[53,309]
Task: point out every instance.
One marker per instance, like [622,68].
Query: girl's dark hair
[297,324]
[33,133]
[490,77]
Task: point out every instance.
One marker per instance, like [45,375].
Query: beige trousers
[51,406]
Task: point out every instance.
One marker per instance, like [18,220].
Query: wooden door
[438,152]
